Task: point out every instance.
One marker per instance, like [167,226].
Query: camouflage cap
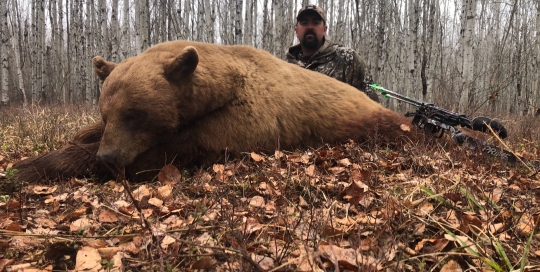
[312,8]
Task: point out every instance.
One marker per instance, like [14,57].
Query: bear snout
[108,159]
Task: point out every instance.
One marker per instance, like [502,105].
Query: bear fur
[195,104]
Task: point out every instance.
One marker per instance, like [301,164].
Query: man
[317,53]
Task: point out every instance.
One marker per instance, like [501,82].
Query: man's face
[310,30]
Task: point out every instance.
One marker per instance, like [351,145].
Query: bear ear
[183,65]
[102,68]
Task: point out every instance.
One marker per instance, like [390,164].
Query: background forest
[469,55]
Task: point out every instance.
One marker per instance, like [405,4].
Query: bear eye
[133,118]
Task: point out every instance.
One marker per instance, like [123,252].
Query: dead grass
[334,208]
[35,130]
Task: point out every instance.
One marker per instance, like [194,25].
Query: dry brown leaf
[10,205]
[337,170]
[44,190]
[141,193]
[27,267]
[165,192]
[256,157]
[355,193]
[264,262]
[59,198]
[88,259]
[155,202]
[496,195]
[454,221]
[218,168]
[302,202]
[116,187]
[122,204]
[462,241]
[14,226]
[82,224]
[310,171]
[167,240]
[525,225]
[426,209]
[108,252]
[130,248]
[117,263]
[147,212]
[349,258]
[252,225]
[204,262]
[4,263]
[257,201]
[95,243]
[345,162]
[107,216]
[419,229]
[428,246]
[205,240]
[451,266]
[169,174]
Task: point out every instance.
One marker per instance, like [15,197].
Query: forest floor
[332,208]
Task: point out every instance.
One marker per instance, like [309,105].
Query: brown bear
[194,103]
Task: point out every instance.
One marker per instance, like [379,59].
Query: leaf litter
[335,208]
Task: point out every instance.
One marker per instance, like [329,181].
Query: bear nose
[107,158]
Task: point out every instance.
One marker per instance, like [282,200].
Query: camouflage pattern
[333,60]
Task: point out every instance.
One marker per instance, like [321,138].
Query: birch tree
[38,41]
[467,43]
[536,63]
[4,52]
[238,33]
[15,37]
[115,29]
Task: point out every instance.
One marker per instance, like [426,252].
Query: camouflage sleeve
[357,76]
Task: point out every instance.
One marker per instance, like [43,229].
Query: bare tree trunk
[126,33]
[211,20]
[87,39]
[250,19]
[266,35]
[38,41]
[16,31]
[186,18]
[4,52]
[115,32]
[412,47]
[277,14]
[238,34]
[467,72]
[381,41]
[102,35]
[535,88]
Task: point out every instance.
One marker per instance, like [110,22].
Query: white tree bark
[536,63]
[87,39]
[115,32]
[126,31]
[16,52]
[238,33]
[38,40]
[467,45]
[4,52]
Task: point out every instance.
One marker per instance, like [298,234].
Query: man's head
[311,27]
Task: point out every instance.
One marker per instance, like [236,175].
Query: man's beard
[310,44]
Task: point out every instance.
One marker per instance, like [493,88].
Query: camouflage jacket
[333,60]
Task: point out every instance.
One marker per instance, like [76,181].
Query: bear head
[141,102]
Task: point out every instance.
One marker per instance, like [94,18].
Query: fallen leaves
[336,208]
